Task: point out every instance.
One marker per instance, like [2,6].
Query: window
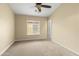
[33,27]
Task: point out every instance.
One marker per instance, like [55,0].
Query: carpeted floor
[37,48]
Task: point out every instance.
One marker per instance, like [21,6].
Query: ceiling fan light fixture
[39,5]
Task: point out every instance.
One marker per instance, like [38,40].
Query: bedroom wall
[21,28]
[65,26]
[7,33]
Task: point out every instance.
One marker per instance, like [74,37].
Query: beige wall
[65,26]
[6,26]
[21,29]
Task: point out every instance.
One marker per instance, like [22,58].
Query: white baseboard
[28,39]
[6,47]
[76,53]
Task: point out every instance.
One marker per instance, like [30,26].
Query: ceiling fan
[39,5]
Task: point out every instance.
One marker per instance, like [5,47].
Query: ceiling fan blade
[46,6]
[39,9]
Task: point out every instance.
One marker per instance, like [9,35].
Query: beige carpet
[37,48]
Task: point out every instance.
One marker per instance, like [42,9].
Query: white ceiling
[29,9]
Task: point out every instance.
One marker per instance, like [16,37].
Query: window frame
[33,22]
